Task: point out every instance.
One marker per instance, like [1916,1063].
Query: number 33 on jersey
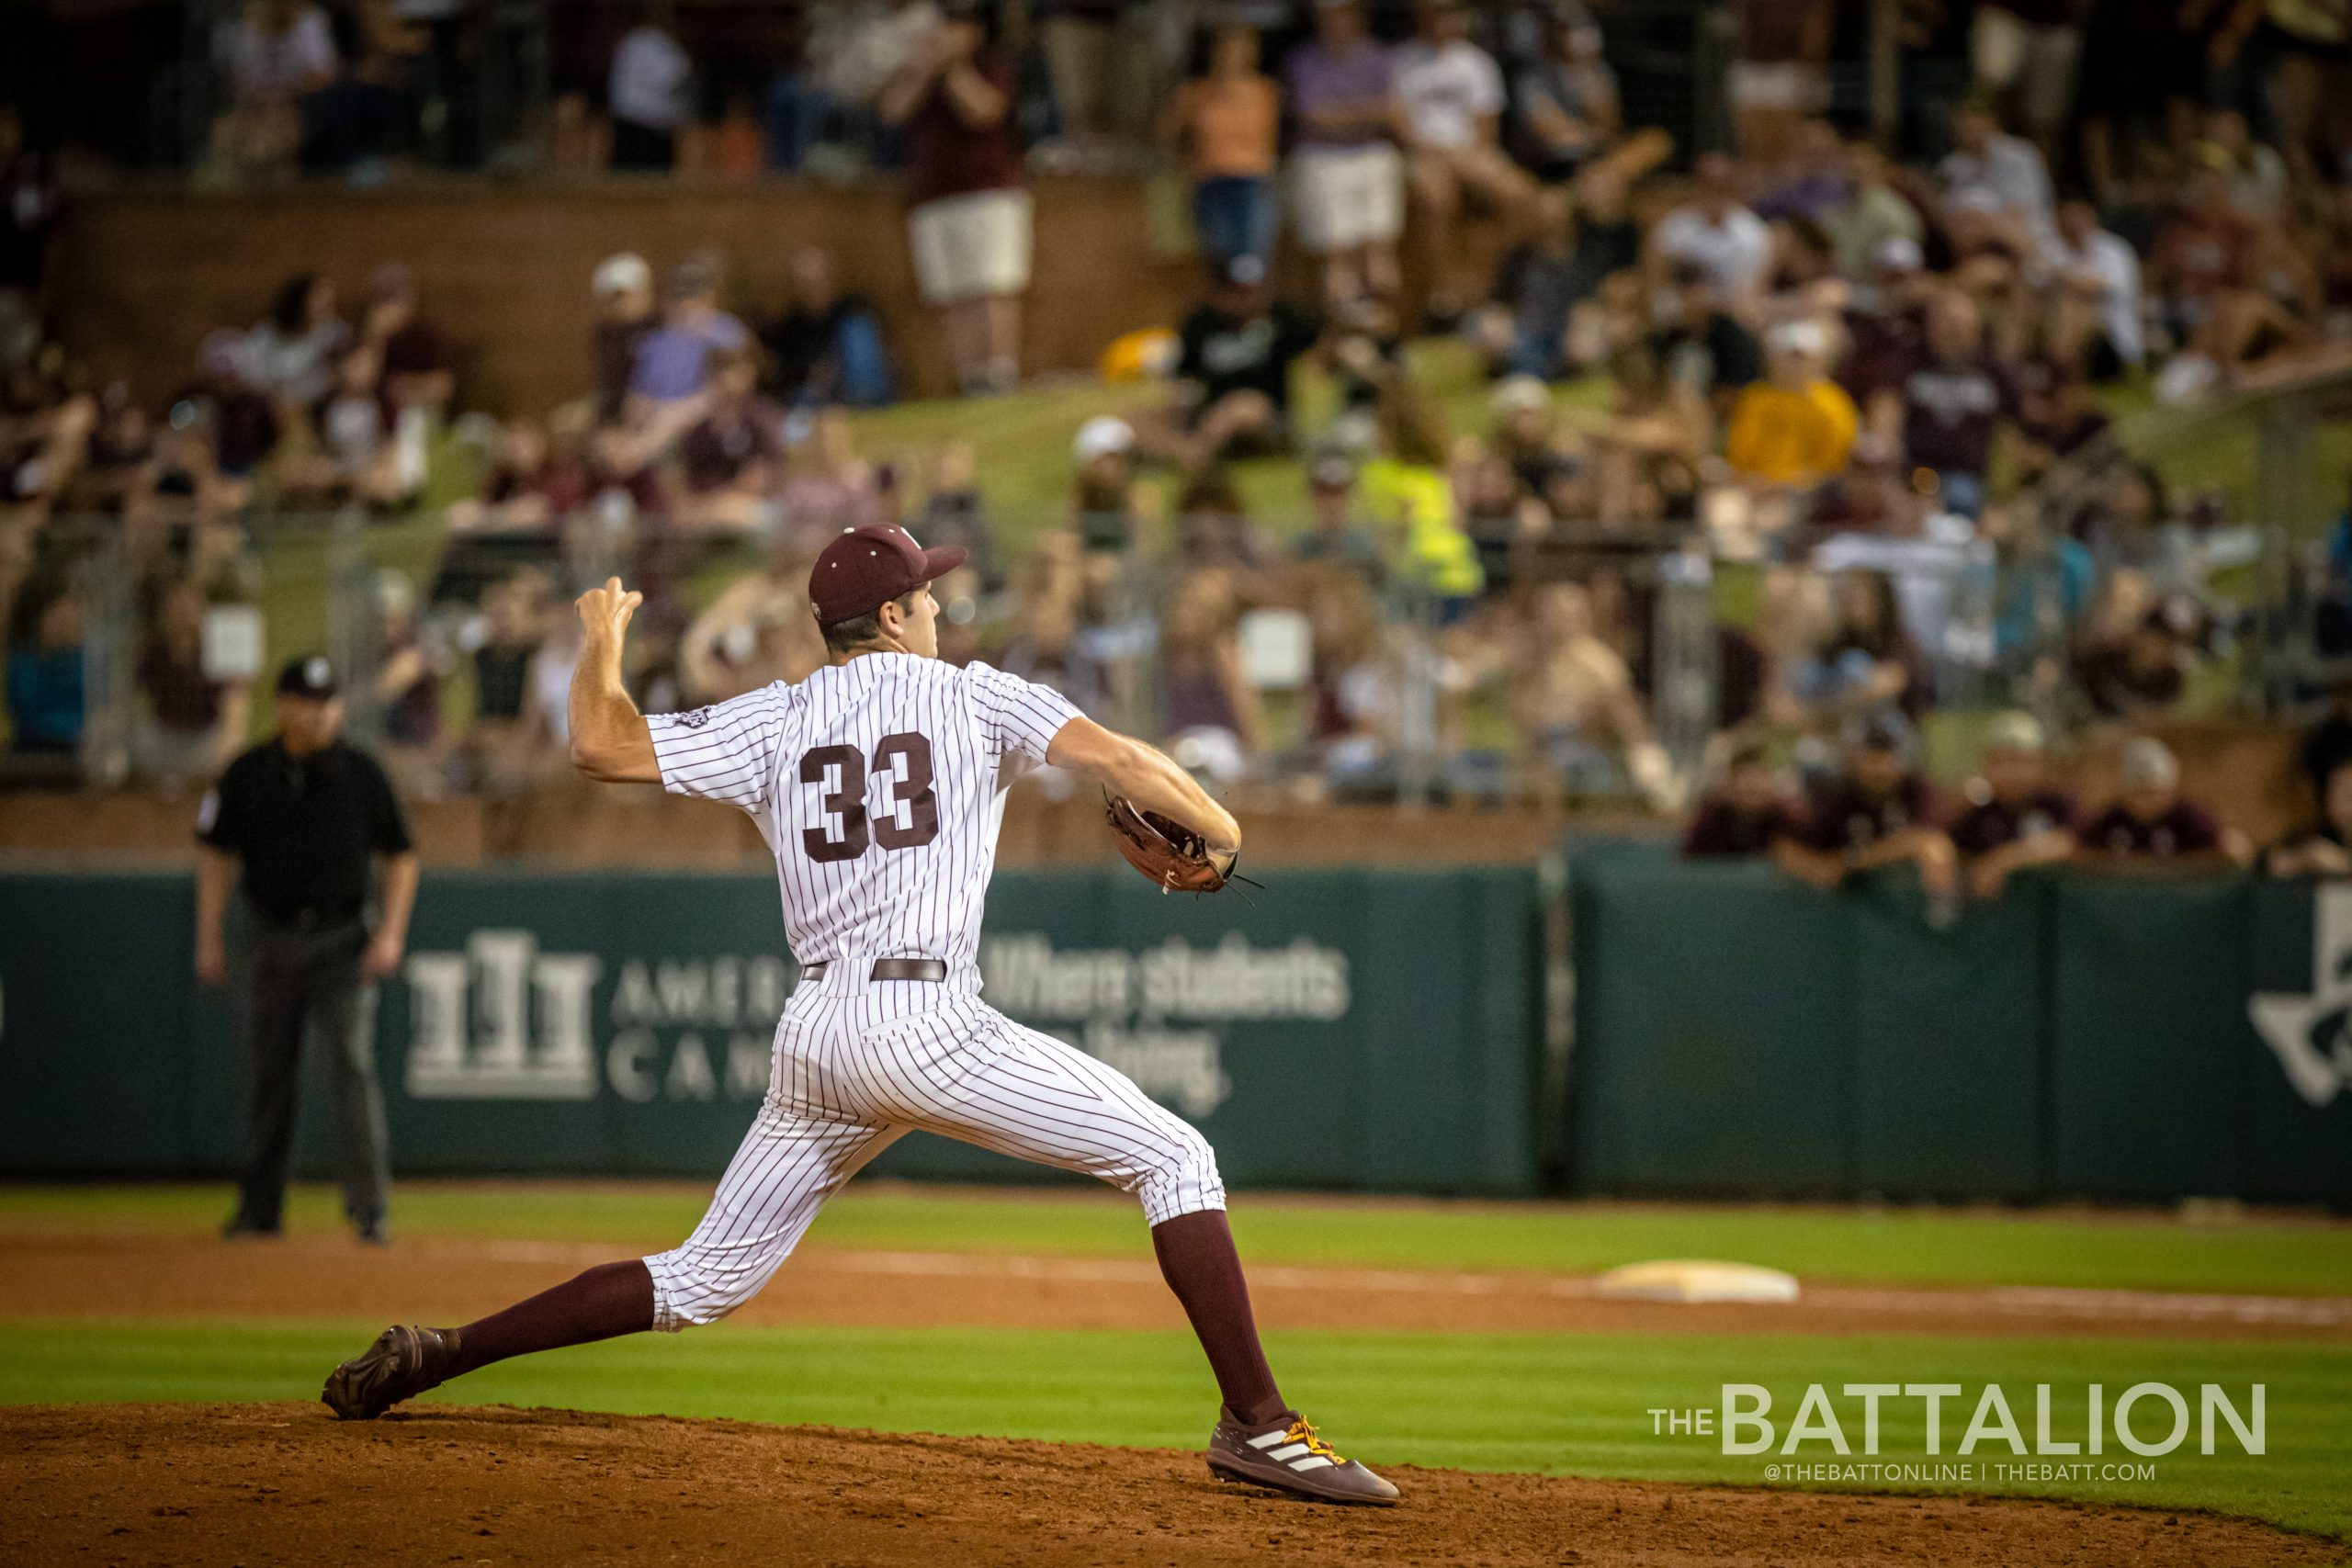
[880,787]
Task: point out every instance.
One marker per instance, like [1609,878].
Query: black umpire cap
[310,676]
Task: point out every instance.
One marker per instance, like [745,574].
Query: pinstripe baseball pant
[860,1064]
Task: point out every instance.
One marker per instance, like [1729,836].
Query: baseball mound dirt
[287,1483]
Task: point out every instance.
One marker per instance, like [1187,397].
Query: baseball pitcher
[878,783]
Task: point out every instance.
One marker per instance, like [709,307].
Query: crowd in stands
[1833,367]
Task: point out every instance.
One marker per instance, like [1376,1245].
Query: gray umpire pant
[308,983]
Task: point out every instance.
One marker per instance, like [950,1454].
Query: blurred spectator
[1541,284]
[409,673]
[1405,490]
[827,346]
[1334,534]
[2128,527]
[1932,559]
[506,747]
[651,93]
[1226,124]
[195,720]
[1213,532]
[955,513]
[1232,370]
[44,437]
[1875,812]
[1046,646]
[2326,848]
[1996,172]
[1528,438]
[2014,818]
[2151,826]
[2201,274]
[1745,815]
[969,224]
[275,53]
[1567,101]
[2025,52]
[1450,93]
[1949,403]
[827,488]
[1208,714]
[1700,347]
[726,460]
[533,483]
[1858,659]
[1347,181]
[1775,81]
[672,359]
[1102,509]
[759,629]
[292,356]
[2096,306]
[1657,435]
[623,287]
[1870,215]
[2042,582]
[237,426]
[2135,655]
[2301,45]
[1795,429]
[1716,234]
[46,671]
[1080,40]
[1811,184]
[2328,746]
[29,209]
[1579,716]
[2257,173]
[419,368]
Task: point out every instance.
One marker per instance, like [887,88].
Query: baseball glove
[1172,857]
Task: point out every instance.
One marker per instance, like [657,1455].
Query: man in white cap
[2151,826]
[622,285]
[1795,429]
[2015,817]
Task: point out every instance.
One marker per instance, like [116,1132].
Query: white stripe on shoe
[1292,1451]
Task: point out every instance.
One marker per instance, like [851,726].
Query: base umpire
[307,815]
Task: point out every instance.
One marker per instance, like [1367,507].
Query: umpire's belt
[930,969]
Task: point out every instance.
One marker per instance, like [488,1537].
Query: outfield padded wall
[1371,1030]
[1738,1033]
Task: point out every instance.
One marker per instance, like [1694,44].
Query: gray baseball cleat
[1289,1457]
[403,1362]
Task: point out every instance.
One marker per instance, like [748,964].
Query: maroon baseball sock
[1197,1259]
[608,1300]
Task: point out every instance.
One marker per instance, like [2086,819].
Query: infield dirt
[287,1483]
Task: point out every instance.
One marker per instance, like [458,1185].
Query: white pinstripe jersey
[879,786]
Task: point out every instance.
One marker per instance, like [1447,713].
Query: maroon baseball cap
[864,568]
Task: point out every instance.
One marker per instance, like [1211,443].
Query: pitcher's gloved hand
[1173,857]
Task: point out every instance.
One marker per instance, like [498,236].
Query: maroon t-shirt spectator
[1884,345]
[719,448]
[1989,824]
[184,697]
[2185,830]
[1950,412]
[244,426]
[2199,255]
[1722,830]
[947,157]
[1842,818]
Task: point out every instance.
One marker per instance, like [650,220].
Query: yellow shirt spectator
[1413,503]
[1792,435]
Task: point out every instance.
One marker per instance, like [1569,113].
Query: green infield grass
[2237,1253]
[1567,1404]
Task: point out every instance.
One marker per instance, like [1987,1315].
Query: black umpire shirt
[306,829]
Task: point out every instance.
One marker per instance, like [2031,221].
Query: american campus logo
[2075,1426]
